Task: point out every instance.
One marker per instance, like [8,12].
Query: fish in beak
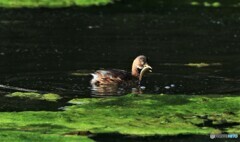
[146,68]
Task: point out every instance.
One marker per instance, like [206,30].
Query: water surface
[41,48]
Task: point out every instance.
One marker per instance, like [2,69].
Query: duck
[140,66]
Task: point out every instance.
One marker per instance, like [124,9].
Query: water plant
[35,96]
[50,3]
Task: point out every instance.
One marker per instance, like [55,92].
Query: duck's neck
[135,72]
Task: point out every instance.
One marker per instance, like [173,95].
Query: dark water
[41,48]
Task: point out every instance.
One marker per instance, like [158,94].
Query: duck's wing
[113,76]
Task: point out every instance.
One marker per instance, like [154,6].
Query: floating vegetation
[80,74]
[205,4]
[200,65]
[195,3]
[50,3]
[50,97]
[35,96]
[216,4]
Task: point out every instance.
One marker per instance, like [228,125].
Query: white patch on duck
[95,78]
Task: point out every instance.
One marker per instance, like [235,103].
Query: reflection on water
[107,90]
[115,90]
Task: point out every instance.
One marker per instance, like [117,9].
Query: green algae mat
[85,3]
[35,96]
[140,115]
[50,3]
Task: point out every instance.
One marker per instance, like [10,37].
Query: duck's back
[113,76]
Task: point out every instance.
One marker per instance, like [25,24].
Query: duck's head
[140,67]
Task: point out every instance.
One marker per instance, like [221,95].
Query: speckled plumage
[113,76]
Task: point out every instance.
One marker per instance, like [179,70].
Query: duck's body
[113,76]
[116,76]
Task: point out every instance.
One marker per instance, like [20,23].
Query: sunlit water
[43,50]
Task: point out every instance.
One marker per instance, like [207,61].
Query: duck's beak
[146,68]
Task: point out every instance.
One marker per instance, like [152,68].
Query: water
[40,49]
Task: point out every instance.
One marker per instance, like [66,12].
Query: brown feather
[113,76]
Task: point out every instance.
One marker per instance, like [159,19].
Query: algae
[200,65]
[35,96]
[143,115]
[50,97]
[206,4]
[51,3]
